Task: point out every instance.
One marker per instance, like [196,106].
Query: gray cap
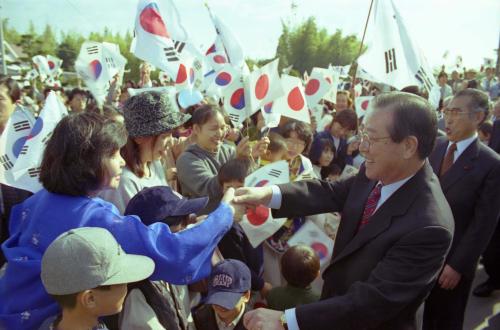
[152,113]
[89,257]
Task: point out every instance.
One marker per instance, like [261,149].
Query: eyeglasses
[454,112]
[295,143]
[366,141]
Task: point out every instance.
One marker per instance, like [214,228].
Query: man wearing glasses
[395,231]
[469,173]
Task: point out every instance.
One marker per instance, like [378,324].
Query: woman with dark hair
[82,158]
[321,155]
[150,117]
[199,164]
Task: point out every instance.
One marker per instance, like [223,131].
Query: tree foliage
[306,46]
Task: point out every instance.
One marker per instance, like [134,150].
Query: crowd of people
[138,222]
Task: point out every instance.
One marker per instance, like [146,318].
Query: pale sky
[469,28]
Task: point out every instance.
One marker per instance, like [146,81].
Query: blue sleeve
[180,258]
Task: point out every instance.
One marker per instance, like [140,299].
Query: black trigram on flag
[275,173]
[179,46]
[6,163]
[21,125]
[234,117]
[92,50]
[110,62]
[45,140]
[390,61]
[24,150]
[34,172]
[423,78]
[171,54]
[306,176]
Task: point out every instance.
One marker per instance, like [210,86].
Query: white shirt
[275,203]
[461,146]
[222,325]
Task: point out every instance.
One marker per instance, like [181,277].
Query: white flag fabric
[223,79]
[273,173]
[54,64]
[293,103]
[259,224]
[231,44]
[31,75]
[31,154]
[97,64]
[271,117]
[435,96]
[263,85]
[153,42]
[306,170]
[311,235]
[348,171]
[235,103]
[216,54]
[317,87]
[362,104]
[41,64]
[393,57]
[12,141]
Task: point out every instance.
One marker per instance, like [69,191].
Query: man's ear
[410,147]
[246,296]
[87,299]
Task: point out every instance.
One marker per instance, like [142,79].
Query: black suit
[495,137]
[380,276]
[471,188]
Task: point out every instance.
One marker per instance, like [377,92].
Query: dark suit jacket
[472,188]
[380,276]
[495,137]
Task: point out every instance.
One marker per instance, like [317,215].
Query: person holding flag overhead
[395,232]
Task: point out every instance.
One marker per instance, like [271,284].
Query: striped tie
[370,206]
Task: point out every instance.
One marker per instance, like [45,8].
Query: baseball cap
[88,257]
[229,280]
[157,203]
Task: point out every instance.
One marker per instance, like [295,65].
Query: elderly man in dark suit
[469,173]
[395,232]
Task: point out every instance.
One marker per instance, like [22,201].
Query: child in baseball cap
[228,292]
[86,271]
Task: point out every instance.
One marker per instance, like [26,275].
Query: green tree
[47,41]
[306,46]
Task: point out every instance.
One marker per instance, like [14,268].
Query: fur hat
[152,113]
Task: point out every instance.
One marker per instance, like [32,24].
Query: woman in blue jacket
[81,159]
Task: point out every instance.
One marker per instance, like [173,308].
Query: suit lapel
[348,229]
[462,166]
[436,158]
[396,205]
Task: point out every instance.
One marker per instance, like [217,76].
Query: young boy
[299,266]
[86,271]
[276,150]
[235,244]
[228,293]
[159,305]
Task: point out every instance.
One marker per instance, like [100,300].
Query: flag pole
[355,62]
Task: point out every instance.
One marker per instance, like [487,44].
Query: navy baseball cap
[154,204]
[229,280]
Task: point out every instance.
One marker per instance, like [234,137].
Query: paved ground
[478,309]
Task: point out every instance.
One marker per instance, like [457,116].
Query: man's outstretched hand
[252,197]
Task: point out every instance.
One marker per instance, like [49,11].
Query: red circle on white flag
[181,74]
[262,87]
[364,105]
[295,99]
[312,87]
[320,249]
[258,216]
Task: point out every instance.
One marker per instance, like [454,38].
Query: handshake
[243,198]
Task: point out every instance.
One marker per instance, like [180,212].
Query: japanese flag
[316,87]
[271,118]
[293,103]
[31,154]
[332,77]
[362,104]
[12,142]
[263,85]
[311,235]
[42,65]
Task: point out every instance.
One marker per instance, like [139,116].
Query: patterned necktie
[371,205]
[448,159]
